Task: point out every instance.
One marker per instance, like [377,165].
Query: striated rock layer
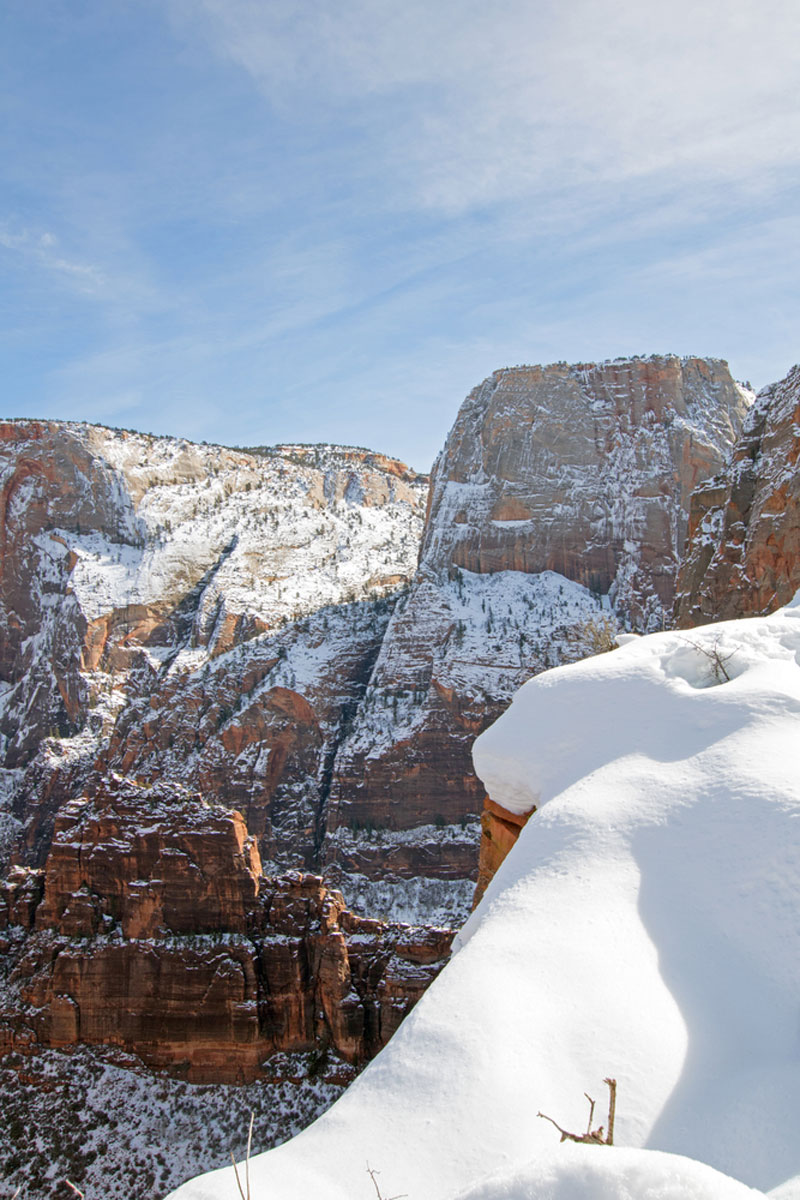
[557,511]
[151,928]
[743,549]
[585,470]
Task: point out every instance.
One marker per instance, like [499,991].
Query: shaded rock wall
[743,549]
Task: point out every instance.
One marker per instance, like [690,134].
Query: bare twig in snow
[69,1184]
[715,656]
[612,1109]
[249,1144]
[242,1193]
[592,1136]
[372,1173]
[591,1112]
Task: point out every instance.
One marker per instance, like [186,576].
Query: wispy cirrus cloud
[261,220]
[471,104]
[42,249]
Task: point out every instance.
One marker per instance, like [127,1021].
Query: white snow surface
[284,533]
[581,1173]
[645,926]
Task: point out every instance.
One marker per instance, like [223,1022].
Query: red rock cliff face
[556,485]
[151,928]
[585,470]
[231,622]
[51,487]
[743,549]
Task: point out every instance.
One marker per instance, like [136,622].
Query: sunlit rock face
[191,613]
[585,470]
[559,503]
[743,551]
[262,627]
[152,928]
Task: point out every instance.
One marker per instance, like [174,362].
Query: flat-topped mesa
[585,470]
[557,506]
[743,549]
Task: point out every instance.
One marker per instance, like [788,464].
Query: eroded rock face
[584,470]
[52,488]
[150,862]
[743,548]
[151,928]
[191,613]
[500,829]
[557,508]
[236,623]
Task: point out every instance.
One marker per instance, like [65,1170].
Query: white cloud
[42,249]
[468,103]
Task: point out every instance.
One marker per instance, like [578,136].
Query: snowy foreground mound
[646,926]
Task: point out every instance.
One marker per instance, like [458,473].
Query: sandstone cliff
[743,549]
[557,508]
[236,623]
[585,470]
[151,928]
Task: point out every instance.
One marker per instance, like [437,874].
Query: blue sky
[255,221]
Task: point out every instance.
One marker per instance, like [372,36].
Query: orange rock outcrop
[151,928]
[500,829]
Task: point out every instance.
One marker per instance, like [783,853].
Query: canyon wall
[189,613]
[743,551]
[151,928]
[557,511]
[238,694]
[276,629]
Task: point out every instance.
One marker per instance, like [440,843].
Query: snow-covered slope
[191,613]
[646,926]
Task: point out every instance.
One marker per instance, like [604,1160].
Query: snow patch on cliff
[280,537]
[479,636]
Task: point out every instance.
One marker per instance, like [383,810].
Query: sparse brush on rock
[598,635]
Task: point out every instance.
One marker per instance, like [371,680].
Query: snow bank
[645,926]
[581,1173]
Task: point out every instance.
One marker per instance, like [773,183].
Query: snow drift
[645,926]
